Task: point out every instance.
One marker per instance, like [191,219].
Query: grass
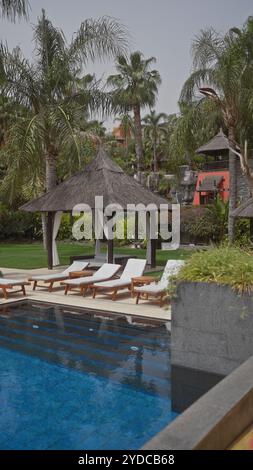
[223,265]
[31,256]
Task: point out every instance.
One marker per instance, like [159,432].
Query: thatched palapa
[102,177]
[218,145]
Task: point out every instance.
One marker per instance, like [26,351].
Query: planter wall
[211,335]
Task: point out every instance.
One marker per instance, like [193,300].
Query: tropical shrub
[65,230]
[223,265]
[199,225]
[17,225]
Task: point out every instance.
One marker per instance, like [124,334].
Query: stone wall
[211,335]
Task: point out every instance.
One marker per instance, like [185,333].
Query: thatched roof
[210,184]
[218,145]
[102,177]
[245,210]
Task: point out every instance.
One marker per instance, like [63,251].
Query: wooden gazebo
[101,177]
[217,146]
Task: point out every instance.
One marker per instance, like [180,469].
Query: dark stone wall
[211,335]
[216,420]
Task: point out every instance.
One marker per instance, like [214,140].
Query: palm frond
[100,39]
[11,9]
[201,77]
[207,48]
[49,42]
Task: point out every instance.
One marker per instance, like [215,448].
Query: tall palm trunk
[232,184]
[138,139]
[154,154]
[51,181]
[126,142]
[51,174]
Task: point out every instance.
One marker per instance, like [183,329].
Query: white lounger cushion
[105,272]
[114,283]
[171,269]
[75,266]
[133,268]
[154,288]
[11,282]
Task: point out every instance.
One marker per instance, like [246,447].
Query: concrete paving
[124,303]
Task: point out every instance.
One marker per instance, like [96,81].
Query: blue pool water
[71,381]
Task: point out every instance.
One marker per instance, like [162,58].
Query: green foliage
[135,83]
[65,230]
[196,124]
[243,234]
[206,223]
[16,225]
[224,65]
[58,98]
[223,265]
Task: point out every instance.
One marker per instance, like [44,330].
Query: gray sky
[161,28]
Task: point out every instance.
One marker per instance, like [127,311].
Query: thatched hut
[245,210]
[101,177]
[217,146]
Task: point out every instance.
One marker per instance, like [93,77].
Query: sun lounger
[57,277]
[6,284]
[133,268]
[107,271]
[159,289]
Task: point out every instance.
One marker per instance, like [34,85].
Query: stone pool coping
[214,421]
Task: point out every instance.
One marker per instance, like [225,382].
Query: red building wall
[224,186]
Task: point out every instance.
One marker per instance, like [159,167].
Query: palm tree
[127,126]
[135,87]
[219,75]
[56,98]
[154,129]
[14,8]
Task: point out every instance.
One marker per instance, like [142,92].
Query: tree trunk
[51,171]
[138,139]
[51,181]
[232,185]
[154,156]
[50,226]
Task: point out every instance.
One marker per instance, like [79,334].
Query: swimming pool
[90,380]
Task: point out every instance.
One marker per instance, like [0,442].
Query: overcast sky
[161,28]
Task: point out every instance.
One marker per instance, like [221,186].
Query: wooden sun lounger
[75,270]
[159,289]
[134,267]
[58,279]
[107,271]
[5,288]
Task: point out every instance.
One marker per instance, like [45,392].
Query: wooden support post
[148,250]
[153,253]
[110,251]
[50,223]
[110,247]
[97,248]
[136,223]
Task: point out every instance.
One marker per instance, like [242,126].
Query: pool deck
[124,303]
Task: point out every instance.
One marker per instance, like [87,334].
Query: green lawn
[31,256]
